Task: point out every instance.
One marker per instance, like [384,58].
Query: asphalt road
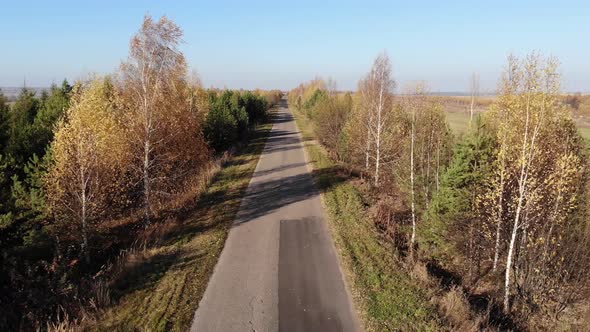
[278,270]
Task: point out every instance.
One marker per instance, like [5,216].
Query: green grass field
[459,123]
[584,131]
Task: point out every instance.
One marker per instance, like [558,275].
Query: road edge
[345,271]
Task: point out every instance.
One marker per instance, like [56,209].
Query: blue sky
[273,44]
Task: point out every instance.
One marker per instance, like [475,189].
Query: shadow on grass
[213,210]
[446,278]
[483,303]
[143,272]
[217,206]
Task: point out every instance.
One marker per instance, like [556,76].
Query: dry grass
[197,185]
[575,318]
[580,104]
[457,110]
[389,293]
[157,284]
[385,295]
[455,309]
[420,273]
[464,102]
[63,323]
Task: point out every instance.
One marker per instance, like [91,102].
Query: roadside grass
[386,296]
[161,285]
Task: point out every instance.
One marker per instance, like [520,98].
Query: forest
[117,193]
[89,169]
[490,226]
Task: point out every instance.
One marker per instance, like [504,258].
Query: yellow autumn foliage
[88,152]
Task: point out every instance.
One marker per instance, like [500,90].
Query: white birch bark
[413,196]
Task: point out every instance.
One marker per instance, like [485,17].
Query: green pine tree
[453,204]
[21,141]
[52,109]
[4,122]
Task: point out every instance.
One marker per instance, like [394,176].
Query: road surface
[278,270]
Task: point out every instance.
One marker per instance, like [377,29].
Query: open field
[457,110]
[11,93]
[459,122]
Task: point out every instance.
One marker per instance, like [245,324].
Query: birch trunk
[471,109]
[474,94]
[377,158]
[412,142]
[499,217]
[438,165]
[379,126]
[510,256]
[428,161]
[146,182]
[367,151]
[83,217]
[522,182]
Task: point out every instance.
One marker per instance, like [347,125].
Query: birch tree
[428,145]
[330,118]
[162,121]
[88,153]
[413,109]
[499,191]
[523,110]
[474,91]
[376,102]
[499,116]
[432,134]
[537,154]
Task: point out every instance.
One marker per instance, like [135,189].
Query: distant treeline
[11,93]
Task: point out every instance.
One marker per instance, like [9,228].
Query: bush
[272,97]
[256,107]
[221,128]
[231,117]
[317,97]
[456,311]
[574,101]
[330,115]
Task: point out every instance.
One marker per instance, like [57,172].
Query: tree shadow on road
[265,197]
